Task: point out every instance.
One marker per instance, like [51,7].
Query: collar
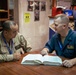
[68,36]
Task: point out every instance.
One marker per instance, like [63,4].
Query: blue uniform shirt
[68,49]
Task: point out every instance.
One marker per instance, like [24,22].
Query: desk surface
[15,68]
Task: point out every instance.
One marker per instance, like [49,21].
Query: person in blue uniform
[63,41]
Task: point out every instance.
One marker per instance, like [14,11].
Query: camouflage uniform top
[19,43]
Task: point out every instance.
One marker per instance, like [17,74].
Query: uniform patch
[70,47]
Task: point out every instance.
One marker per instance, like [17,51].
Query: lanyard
[60,45]
[10,51]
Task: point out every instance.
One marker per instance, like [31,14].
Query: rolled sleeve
[4,57]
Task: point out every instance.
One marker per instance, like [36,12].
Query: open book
[37,59]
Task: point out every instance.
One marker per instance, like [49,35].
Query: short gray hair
[7,24]
[63,19]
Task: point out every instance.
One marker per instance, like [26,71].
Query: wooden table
[15,68]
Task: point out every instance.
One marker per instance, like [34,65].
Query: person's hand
[16,56]
[45,51]
[69,63]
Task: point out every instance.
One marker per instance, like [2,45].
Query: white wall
[36,32]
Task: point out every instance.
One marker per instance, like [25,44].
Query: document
[38,59]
